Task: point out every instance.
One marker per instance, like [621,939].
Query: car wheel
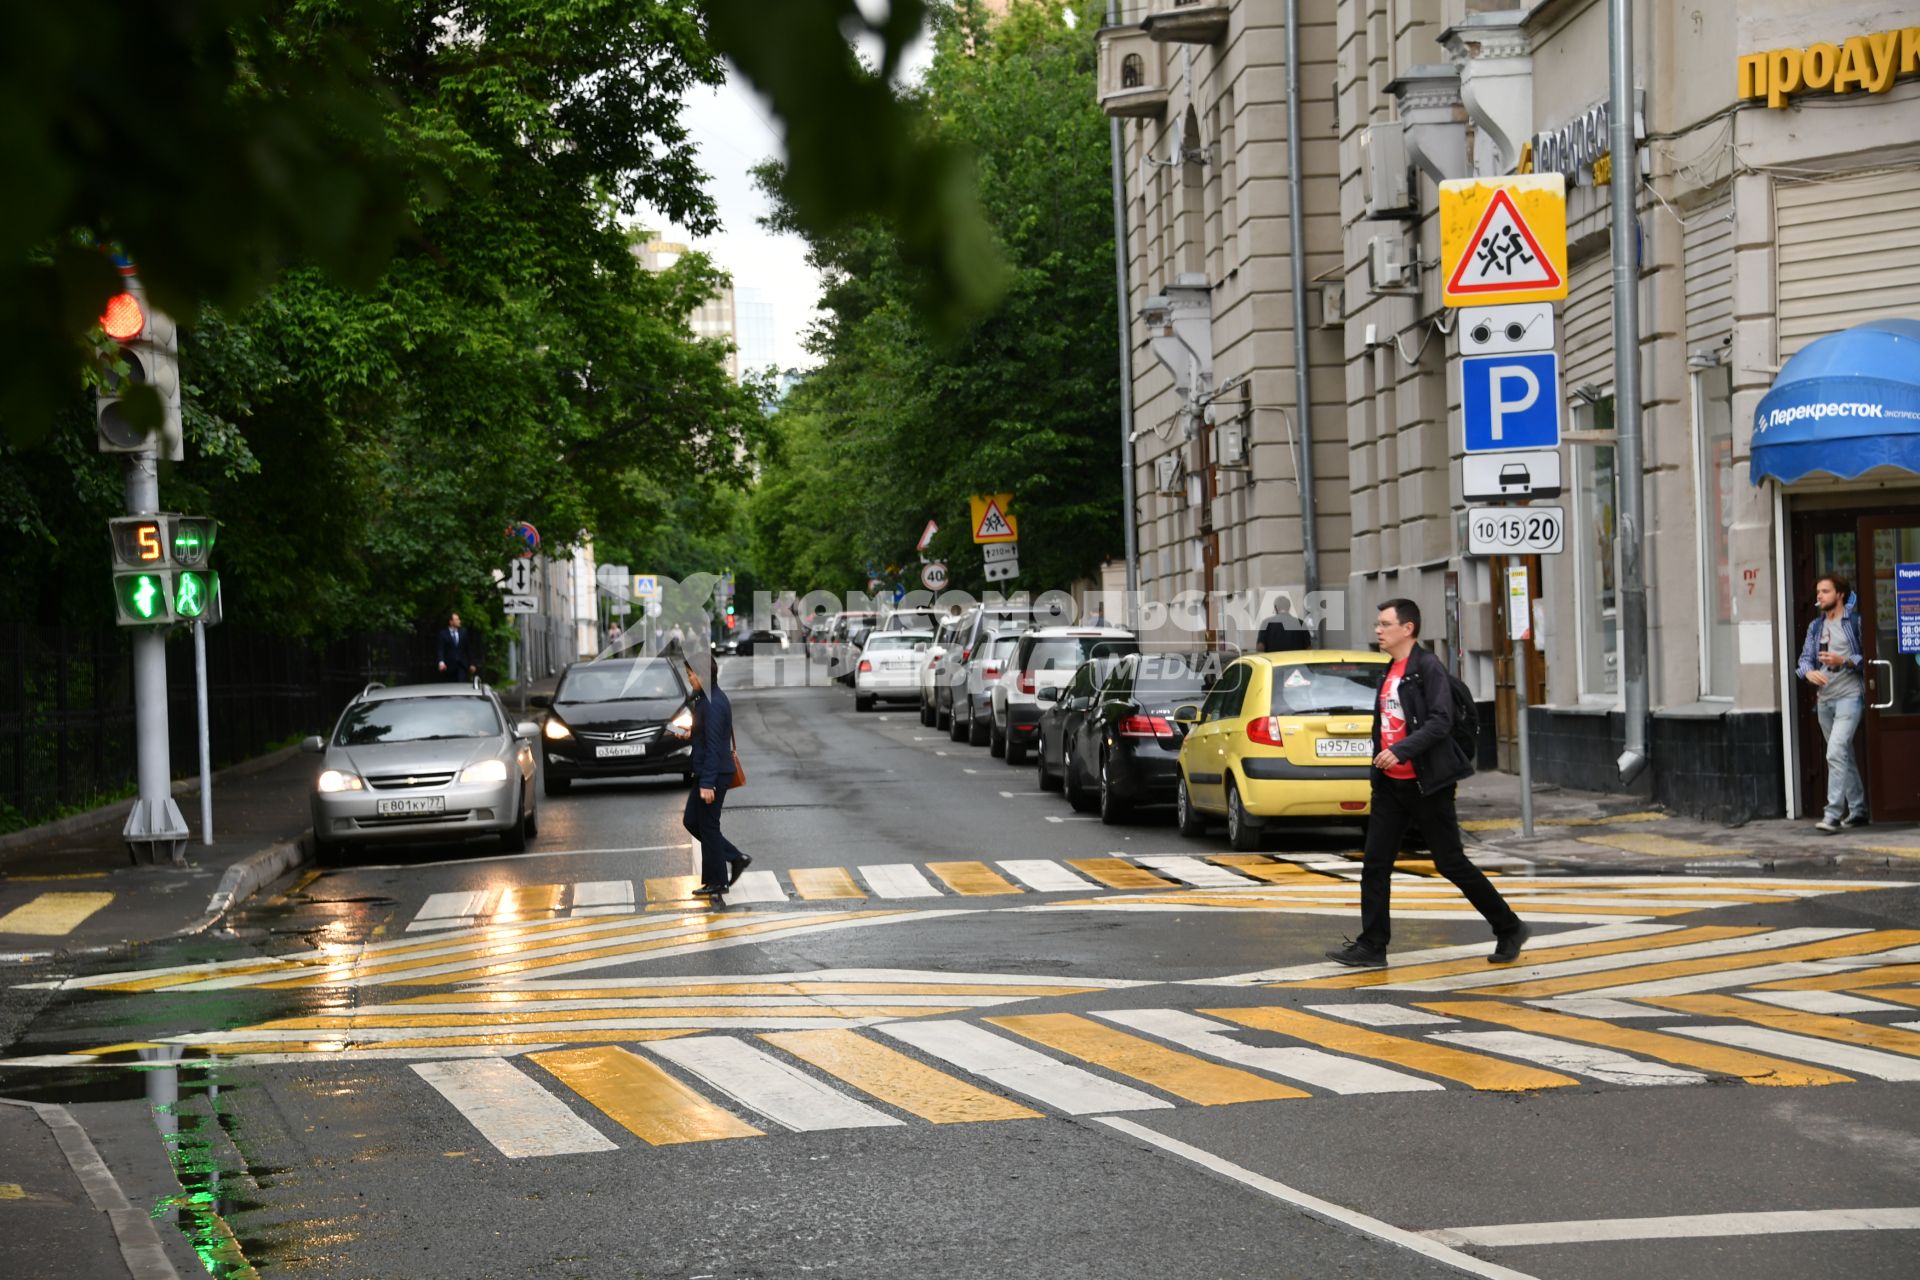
[958,730]
[1045,775]
[978,730]
[942,719]
[531,826]
[514,839]
[926,712]
[1016,752]
[556,786]
[996,742]
[863,702]
[1188,818]
[1243,833]
[1114,807]
[1077,795]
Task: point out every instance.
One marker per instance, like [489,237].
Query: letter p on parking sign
[1510,402]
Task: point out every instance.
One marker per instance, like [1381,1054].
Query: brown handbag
[739,772]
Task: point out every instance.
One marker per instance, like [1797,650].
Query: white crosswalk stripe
[1044,875]
[763,1083]
[603,898]
[1505,974]
[1022,1070]
[1202,875]
[450,910]
[1579,1059]
[898,880]
[510,1110]
[1315,1067]
[1785,1044]
[756,886]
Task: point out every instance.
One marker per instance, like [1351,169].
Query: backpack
[1466,719]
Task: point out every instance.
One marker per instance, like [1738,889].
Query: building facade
[1779,204]
[713,320]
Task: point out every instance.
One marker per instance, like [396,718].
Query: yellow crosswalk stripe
[1905,995]
[1182,1074]
[642,1098]
[1535,956]
[674,889]
[973,879]
[824,882]
[1823,1025]
[550,1036]
[526,901]
[829,989]
[896,1079]
[1261,867]
[1853,945]
[1754,1068]
[589,1012]
[53,915]
[1851,980]
[1418,1055]
[1118,873]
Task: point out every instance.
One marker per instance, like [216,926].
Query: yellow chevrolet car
[1281,737]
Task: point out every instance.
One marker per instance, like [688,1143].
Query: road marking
[510,1109]
[1072,817]
[1659,846]
[1554,977]
[761,1082]
[448,910]
[1044,875]
[1380,1015]
[824,882]
[898,880]
[1022,1070]
[972,879]
[1823,1002]
[1801,1023]
[1753,1068]
[1207,1083]
[1806,1048]
[1308,1066]
[1416,1055]
[1313,1206]
[896,1079]
[970,771]
[640,1097]
[525,901]
[516,857]
[1858,976]
[1632,981]
[1261,867]
[1688,1227]
[53,915]
[756,886]
[1009,795]
[1581,1059]
[1117,873]
[1194,872]
[1307,974]
[663,890]
[603,898]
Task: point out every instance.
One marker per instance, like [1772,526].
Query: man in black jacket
[711,763]
[1416,768]
[454,651]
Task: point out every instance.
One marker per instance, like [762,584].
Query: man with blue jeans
[1831,660]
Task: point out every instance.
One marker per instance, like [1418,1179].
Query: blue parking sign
[1510,402]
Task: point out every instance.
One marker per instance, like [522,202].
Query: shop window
[1597,556]
[1714,503]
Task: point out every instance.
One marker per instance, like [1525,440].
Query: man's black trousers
[702,821]
[1398,805]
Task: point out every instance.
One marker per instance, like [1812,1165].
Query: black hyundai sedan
[616,718]
[1125,747]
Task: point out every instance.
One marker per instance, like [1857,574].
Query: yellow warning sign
[1503,239]
[991,519]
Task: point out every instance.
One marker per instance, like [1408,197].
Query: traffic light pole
[155,825]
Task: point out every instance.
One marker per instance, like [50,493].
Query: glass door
[1890,635]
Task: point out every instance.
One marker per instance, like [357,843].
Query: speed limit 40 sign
[1516,531]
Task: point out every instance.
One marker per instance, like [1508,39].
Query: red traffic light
[124,319]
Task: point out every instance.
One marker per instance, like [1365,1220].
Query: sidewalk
[57,1192]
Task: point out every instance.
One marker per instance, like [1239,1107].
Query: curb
[139,1242]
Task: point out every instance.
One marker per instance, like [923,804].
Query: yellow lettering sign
[1869,62]
[1753,75]
[1886,59]
[1856,66]
[1910,51]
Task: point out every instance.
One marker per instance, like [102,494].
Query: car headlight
[485,771]
[555,731]
[682,723]
[334,780]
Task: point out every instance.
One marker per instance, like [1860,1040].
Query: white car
[1046,659]
[943,639]
[889,667]
[973,700]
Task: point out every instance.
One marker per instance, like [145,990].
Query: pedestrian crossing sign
[1503,240]
[991,522]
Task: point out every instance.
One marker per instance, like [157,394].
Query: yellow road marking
[896,1079]
[1658,846]
[1535,955]
[553,1036]
[973,879]
[12,1191]
[1419,1055]
[524,901]
[85,875]
[52,914]
[305,879]
[1825,1026]
[1851,980]
[642,1098]
[1117,873]
[1181,1074]
[1905,995]
[1261,867]
[1856,944]
[1898,850]
[1754,1068]
[1503,824]
[671,889]
[512,1017]
[748,989]
[824,882]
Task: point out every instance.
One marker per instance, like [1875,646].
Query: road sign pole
[1526,756]
[1626,380]
[206,741]
[155,825]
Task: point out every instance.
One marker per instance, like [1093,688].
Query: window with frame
[1225,701]
[1715,480]
[1597,555]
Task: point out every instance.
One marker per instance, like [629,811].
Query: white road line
[352,971]
[1824,1002]
[603,898]
[510,1110]
[1203,875]
[1689,983]
[1327,969]
[361,1036]
[1599,1007]
[1828,1053]
[1581,1059]
[446,910]
[1313,1206]
[1309,1066]
[1500,975]
[1022,1070]
[1008,795]
[828,924]
[1381,1015]
[763,1083]
[667,1004]
[516,857]
[757,886]
[838,975]
[969,771]
[1044,875]
[1688,1227]
[1073,817]
[898,880]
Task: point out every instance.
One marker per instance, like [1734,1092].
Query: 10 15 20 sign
[1508,531]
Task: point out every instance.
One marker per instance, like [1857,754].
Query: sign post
[1520,632]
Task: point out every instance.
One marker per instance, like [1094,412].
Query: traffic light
[192,540]
[149,348]
[194,594]
[160,572]
[143,598]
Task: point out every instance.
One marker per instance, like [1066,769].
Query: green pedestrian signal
[193,593]
[143,599]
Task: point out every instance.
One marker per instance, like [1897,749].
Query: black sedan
[1123,748]
[616,718]
[1062,711]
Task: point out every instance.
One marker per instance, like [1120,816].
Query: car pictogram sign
[1503,240]
[991,523]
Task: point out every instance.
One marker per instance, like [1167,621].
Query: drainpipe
[1626,379]
[1120,300]
[1296,225]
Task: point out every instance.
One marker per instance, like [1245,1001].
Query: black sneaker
[1854,821]
[1506,946]
[1356,956]
[740,868]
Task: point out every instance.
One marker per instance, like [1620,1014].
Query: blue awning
[1847,403]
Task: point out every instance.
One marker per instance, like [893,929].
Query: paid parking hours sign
[1503,239]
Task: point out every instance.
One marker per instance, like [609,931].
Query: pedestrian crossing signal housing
[162,541]
[143,598]
[194,591]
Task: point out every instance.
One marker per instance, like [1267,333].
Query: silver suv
[1046,659]
[950,677]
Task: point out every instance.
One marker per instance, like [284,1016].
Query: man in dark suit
[712,767]
[454,651]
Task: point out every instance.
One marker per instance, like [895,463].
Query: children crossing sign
[1503,239]
[991,523]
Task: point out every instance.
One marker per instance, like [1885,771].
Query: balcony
[1133,73]
[1186,22]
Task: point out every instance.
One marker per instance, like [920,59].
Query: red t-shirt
[1393,722]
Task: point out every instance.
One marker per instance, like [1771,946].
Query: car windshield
[896,643]
[1177,677]
[1066,653]
[618,683]
[1317,688]
[416,720]
[1001,648]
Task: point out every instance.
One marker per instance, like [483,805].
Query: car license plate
[1343,747]
[414,805]
[621,749]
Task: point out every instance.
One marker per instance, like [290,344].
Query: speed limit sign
[933,575]
[1507,531]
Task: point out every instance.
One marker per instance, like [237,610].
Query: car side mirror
[542,700]
[1187,714]
[1048,695]
[526,731]
[313,745]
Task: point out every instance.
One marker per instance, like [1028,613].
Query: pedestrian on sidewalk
[455,652]
[712,765]
[1831,660]
[1417,766]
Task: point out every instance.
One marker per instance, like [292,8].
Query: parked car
[616,718]
[1046,659]
[975,623]
[813,636]
[744,641]
[911,620]
[844,642]
[973,707]
[1123,750]
[945,637]
[1061,711]
[423,762]
[889,668]
[1281,736]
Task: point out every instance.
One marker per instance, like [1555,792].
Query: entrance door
[1890,733]
[1506,717]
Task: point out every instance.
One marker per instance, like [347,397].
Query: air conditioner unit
[1230,446]
[1331,313]
[1166,473]
[1389,266]
[1389,176]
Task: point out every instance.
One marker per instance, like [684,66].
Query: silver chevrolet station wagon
[423,762]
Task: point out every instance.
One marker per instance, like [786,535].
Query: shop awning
[1847,403]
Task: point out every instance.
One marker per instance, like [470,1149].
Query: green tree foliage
[901,422]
